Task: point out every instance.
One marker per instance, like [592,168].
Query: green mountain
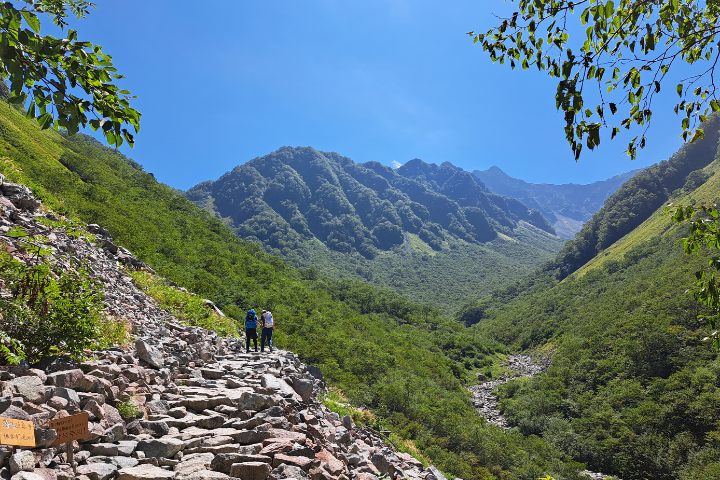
[437,240]
[567,206]
[633,389]
[407,363]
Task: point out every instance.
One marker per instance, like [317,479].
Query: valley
[631,390]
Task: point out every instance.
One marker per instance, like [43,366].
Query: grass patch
[336,402]
[185,306]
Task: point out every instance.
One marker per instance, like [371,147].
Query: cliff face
[206,409]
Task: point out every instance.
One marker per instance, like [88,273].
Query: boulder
[98,471]
[304,463]
[434,474]
[149,354]
[145,472]
[66,379]
[31,389]
[164,447]
[289,471]
[22,461]
[255,401]
[304,388]
[250,470]
[26,476]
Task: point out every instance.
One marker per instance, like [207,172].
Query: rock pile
[179,403]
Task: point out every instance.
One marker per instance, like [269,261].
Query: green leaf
[31,20]
[45,120]
[714,105]
[679,89]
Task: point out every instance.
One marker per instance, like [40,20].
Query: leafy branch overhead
[704,231]
[627,52]
[64,83]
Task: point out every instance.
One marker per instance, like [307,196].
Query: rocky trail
[207,410]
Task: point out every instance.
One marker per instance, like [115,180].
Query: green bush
[51,311]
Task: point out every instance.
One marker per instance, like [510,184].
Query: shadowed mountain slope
[567,206]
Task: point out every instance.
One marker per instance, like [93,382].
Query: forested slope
[636,200]
[633,389]
[432,234]
[380,349]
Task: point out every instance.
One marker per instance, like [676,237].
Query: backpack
[269,321]
[251,319]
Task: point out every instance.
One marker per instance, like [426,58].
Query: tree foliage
[628,50]
[704,223]
[63,82]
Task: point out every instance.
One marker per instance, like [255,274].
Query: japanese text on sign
[17,432]
[70,428]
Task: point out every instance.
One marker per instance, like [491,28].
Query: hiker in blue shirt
[250,330]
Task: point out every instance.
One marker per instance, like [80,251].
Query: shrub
[128,410]
[51,311]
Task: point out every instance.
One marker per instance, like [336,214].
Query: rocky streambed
[483,397]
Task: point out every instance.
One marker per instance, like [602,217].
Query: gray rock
[46,473]
[347,422]
[150,354]
[250,470]
[145,472]
[156,428]
[248,437]
[98,471]
[31,389]
[22,461]
[289,471]
[203,475]
[44,437]
[342,435]
[124,462]
[164,447]
[255,401]
[103,449]
[434,474]
[157,407]
[304,388]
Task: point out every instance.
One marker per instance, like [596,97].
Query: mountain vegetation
[637,199]
[433,234]
[567,206]
[633,388]
[408,363]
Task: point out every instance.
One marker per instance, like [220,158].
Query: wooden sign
[17,432]
[70,428]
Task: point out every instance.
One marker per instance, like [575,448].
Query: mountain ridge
[557,202]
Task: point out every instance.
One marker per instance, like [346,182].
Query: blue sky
[221,83]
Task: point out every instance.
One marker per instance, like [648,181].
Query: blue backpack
[251,319]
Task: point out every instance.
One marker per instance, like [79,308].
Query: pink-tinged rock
[294,436]
[274,448]
[46,473]
[302,462]
[250,470]
[145,472]
[98,471]
[365,476]
[66,379]
[328,460]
